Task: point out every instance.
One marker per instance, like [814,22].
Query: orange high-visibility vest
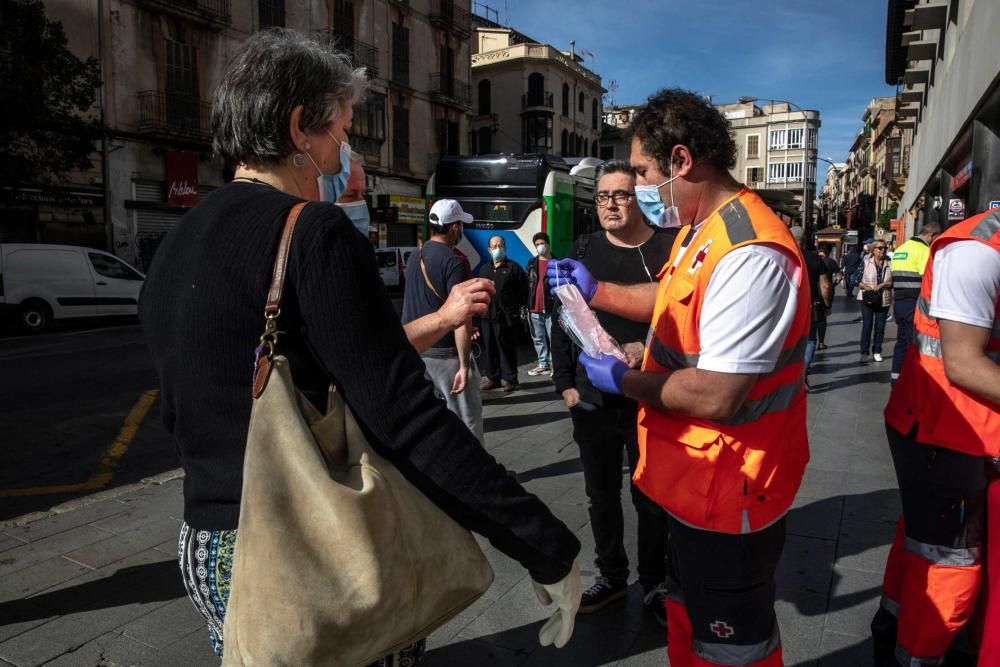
[946,415]
[742,475]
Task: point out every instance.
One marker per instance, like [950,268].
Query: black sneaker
[655,602]
[601,594]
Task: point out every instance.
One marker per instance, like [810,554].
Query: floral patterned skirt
[206,560]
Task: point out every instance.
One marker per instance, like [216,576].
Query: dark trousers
[821,326]
[933,572]
[724,585]
[902,310]
[499,350]
[602,434]
[872,320]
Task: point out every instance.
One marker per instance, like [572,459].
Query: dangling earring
[299,160]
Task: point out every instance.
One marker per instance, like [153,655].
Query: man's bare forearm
[425,331]
[633,302]
[463,343]
[690,391]
[965,362]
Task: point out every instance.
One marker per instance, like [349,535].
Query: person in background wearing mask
[627,251]
[352,201]
[722,420]
[429,280]
[540,302]
[499,329]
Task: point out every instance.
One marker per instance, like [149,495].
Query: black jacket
[533,284]
[511,283]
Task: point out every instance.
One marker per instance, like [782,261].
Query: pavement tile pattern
[99,585]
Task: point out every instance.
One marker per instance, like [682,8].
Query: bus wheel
[36,316]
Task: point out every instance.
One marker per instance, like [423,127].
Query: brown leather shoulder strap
[281,261]
[427,279]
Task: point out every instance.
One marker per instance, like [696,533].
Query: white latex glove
[566,595]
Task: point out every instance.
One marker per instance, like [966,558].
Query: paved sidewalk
[98,584]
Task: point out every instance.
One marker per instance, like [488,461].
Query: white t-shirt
[966,283]
[749,308]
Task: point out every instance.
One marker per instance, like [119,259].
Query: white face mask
[542,248]
[651,204]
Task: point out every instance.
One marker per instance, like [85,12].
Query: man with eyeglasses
[625,251]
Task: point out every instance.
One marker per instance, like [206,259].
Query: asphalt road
[66,400]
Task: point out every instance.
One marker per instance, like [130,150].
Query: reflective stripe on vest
[924,307]
[904,658]
[736,654]
[931,347]
[906,280]
[889,605]
[739,229]
[780,399]
[672,359]
[936,554]
[987,227]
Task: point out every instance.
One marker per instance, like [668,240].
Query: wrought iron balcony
[365,55]
[169,115]
[370,147]
[213,12]
[544,99]
[449,89]
[447,15]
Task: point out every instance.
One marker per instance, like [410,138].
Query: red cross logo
[700,257]
[722,629]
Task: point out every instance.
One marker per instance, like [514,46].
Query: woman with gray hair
[281,116]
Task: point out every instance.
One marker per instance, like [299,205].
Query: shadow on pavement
[551,470]
[504,422]
[876,377]
[516,398]
[152,582]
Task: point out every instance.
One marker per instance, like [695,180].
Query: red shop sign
[182,178]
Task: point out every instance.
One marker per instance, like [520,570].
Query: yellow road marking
[109,460]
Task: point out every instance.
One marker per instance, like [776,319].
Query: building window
[753,146]
[572,145]
[271,13]
[593,114]
[401,138]
[565,100]
[795,137]
[581,103]
[564,144]
[536,90]
[593,148]
[447,137]
[368,130]
[812,138]
[536,132]
[754,175]
[776,172]
[485,92]
[793,172]
[400,54]
[343,24]
[183,106]
[485,141]
[778,140]
[581,146]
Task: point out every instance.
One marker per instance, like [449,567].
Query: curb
[100,496]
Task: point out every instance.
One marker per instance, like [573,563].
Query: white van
[392,264]
[40,283]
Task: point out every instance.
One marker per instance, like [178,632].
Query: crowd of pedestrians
[717,306]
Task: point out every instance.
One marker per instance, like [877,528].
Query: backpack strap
[581,248]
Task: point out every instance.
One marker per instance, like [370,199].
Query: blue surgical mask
[357,211]
[331,186]
[651,204]
[497,254]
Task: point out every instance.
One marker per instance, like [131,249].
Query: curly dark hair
[675,116]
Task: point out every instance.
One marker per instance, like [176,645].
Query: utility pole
[102,105]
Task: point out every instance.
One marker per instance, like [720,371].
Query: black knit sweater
[202,311]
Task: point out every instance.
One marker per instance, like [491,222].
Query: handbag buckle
[271,331]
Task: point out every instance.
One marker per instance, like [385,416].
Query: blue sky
[820,54]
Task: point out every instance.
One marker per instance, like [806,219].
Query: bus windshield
[492,214]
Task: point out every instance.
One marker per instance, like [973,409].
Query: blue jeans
[541,334]
[872,321]
[811,343]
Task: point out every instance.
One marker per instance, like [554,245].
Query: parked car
[392,264]
[40,283]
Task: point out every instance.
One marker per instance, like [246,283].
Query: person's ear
[300,140]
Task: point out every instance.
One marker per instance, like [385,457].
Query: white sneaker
[877,356]
[539,370]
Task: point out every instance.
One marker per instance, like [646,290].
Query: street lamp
[806,222]
[836,201]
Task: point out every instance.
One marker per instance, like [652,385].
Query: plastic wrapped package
[580,322]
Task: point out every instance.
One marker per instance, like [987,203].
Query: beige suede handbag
[339,560]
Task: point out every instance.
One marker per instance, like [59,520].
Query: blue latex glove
[571,272]
[605,373]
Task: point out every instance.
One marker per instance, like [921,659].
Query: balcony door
[181,90]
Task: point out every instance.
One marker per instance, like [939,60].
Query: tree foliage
[47,117]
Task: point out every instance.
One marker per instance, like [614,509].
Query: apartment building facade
[162,61]
[531,97]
